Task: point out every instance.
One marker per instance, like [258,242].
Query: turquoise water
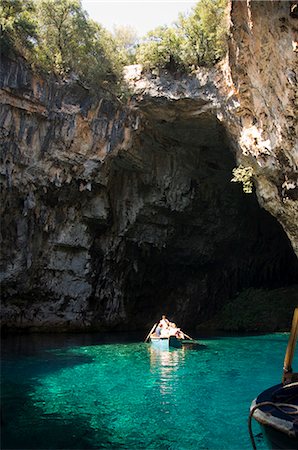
[122,394]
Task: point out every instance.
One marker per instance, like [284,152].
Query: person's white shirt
[164,333]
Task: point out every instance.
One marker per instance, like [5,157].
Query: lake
[113,391]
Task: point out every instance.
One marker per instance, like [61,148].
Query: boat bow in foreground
[276,409]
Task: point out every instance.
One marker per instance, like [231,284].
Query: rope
[278,406]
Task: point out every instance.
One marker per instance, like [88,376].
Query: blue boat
[276,411]
[276,408]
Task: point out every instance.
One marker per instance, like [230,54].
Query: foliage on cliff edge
[197,39]
[58,37]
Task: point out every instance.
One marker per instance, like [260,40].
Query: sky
[143,15]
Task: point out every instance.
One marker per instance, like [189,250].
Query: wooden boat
[276,408]
[176,341]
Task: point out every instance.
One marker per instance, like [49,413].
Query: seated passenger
[172,329]
[158,329]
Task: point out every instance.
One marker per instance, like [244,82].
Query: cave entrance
[194,239]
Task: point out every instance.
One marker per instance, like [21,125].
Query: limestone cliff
[263,74]
[112,214]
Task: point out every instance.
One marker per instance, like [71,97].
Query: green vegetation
[257,310]
[244,175]
[195,40]
[18,28]
[70,42]
[58,37]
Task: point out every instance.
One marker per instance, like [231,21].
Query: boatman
[164,322]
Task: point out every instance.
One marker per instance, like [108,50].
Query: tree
[58,37]
[162,47]
[70,42]
[18,27]
[99,62]
[195,39]
[63,32]
[208,25]
[125,38]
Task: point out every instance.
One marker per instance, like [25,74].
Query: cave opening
[193,239]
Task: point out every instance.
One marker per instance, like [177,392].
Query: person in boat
[165,332]
[164,321]
[179,334]
[158,329]
[175,331]
[172,329]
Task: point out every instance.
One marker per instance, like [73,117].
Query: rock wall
[113,214]
[261,76]
[55,139]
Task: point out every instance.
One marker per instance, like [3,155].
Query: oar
[291,347]
[187,336]
[150,332]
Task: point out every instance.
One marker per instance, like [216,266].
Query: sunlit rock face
[112,215]
[263,65]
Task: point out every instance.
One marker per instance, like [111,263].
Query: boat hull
[166,343]
[277,440]
[280,429]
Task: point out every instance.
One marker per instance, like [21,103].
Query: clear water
[76,393]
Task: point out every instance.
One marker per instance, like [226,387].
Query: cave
[113,215]
[190,239]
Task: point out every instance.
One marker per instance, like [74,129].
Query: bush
[162,47]
[195,40]
[244,175]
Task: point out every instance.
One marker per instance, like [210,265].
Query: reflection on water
[165,364]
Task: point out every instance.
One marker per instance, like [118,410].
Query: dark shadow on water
[25,426]
[31,344]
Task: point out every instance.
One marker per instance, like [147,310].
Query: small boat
[174,338]
[276,408]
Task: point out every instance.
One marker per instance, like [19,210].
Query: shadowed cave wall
[191,238]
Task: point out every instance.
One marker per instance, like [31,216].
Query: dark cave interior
[198,239]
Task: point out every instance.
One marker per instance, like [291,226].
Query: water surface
[115,392]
